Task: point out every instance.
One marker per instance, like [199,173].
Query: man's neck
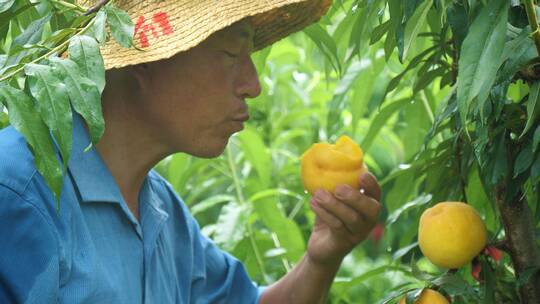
[128,150]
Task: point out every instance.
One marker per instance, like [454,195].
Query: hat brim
[165,28]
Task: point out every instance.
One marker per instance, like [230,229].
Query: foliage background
[386,74]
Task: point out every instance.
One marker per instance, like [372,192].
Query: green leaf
[211,202]
[414,62]
[408,291]
[325,43]
[392,38]
[426,78]
[53,105]
[481,55]
[274,192]
[413,26]
[536,138]
[458,21]
[287,231]
[403,251]
[523,160]
[453,283]
[231,225]
[26,119]
[357,280]
[489,286]
[364,18]
[257,154]
[178,170]
[526,275]
[260,58]
[533,106]
[337,104]
[379,31]
[84,51]
[97,29]
[380,120]
[122,27]
[5,5]
[535,170]
[417,202]
[31,35]
[496,167]
[517,53]
[275,252]
[84,95]
[478,197]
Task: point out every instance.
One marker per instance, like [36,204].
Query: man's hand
[343,220]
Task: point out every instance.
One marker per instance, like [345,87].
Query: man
[122,234]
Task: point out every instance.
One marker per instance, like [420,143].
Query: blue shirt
[95,250]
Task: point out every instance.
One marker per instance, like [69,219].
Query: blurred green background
[318,85]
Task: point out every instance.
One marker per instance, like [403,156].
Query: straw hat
[165,27]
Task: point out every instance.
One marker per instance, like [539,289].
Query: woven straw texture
[164,28]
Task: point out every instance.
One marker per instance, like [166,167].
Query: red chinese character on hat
[143,28]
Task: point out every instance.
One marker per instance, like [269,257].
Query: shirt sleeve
[218,276]
[29,269]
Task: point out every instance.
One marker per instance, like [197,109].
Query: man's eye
[230,54]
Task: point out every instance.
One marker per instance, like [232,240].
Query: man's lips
[241,117]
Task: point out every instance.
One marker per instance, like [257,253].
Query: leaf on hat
[122,27]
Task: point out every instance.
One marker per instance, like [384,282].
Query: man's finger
[370,186]
[363,204]
[353,220]
[326,216]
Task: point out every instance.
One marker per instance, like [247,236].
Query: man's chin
[210,151]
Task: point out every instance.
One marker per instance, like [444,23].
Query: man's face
[195,100]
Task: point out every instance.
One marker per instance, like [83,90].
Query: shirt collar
[96,183]
[90,174]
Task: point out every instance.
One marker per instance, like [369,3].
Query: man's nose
[248,84]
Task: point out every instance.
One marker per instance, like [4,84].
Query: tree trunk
[521,242]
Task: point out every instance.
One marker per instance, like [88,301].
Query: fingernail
[343,191]
[322,196]
[314,202]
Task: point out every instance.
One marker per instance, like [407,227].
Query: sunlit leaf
[211,202]
[231,225]
[481,55]
[85,52]
[518,52]
[416,203]
[533,106]
[287,231]
[325,43]
[5,5]
[53,105]
[122,28]
[31,35]
[257,154]
[413,26]
[84,95]
[97,30]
